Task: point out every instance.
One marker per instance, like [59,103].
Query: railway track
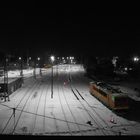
[58,87]
[98,124]
[36,114]
[44,111]
[31,93]
[75,121]
[38,103]
[93,115]
[70,79]
[27,92]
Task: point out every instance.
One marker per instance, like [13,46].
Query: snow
[39,114]
[129,89]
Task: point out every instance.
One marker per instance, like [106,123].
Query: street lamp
[39,66]
[34,71]
[52,60]
[135,59]
[21,70]
[29,59]
[38,58]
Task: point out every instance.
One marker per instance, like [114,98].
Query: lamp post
[34,71]
[52,60]
[21,71]
[57,65]
[21,68]
[29,61]
[39,66]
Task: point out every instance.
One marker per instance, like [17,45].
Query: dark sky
[68,31]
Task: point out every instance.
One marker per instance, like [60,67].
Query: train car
[12,85]
[111,97]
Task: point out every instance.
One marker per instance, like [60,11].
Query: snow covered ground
[132,88]
[68,109]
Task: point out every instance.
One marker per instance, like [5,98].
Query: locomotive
[113,98]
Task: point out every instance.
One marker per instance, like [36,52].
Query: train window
[94,87]
[121,101]
[102,93]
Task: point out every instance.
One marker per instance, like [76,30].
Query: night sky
[68,31]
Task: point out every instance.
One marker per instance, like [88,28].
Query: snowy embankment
[132,89]
[26,72]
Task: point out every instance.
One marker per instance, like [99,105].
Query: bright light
[38,58]
[62,57]
[52,58]
[125,68]
[136,59]
[29,58]
[6,59]
[19,58]
[71,58]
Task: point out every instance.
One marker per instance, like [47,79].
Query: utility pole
[34,72]
[52,82]
[6,94]
[21,68]
[14,113]
[40,72]
[52,60]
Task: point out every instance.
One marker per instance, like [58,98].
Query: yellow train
[111,97]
